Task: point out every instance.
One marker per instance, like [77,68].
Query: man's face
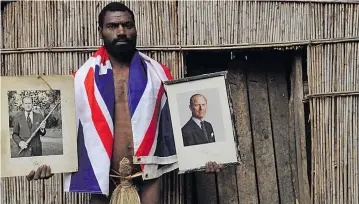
[199,107]
[119,33]
[27,103]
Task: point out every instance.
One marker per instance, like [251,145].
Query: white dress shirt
[197,121]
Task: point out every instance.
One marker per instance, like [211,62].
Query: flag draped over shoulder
[154,146]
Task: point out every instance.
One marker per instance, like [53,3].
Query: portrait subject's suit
[193,134]
[23,131]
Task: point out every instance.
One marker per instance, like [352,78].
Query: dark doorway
[260,82]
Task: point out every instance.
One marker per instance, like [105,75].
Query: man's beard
[121,52]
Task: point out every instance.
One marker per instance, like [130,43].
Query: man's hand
[212,167]
[42,126]
[22,144]
[43,172]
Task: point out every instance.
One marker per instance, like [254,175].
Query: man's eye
[129,25]
[111,26]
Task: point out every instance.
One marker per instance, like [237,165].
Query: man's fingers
[43,172]
[207,167]
[38,173]
[48,172]
[211,166]
[30,176]
[215,167]
[23,145]
[218,168]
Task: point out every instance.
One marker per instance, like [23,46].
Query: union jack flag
[150,118]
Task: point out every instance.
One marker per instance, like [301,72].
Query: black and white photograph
[38,124]
[201,121]
[35,123]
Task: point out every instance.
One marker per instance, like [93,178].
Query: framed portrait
[38,124]
[202,121]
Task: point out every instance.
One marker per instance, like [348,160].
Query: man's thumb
[30,176]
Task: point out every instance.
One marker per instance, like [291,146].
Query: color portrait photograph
[202,123]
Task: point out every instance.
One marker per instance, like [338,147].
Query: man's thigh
[150,191]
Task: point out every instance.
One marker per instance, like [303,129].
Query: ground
[51,143]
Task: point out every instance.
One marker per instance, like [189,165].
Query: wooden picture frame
[206,97]
[49,131]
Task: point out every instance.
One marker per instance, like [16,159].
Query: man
[24,125]
[118,31]
[197,131]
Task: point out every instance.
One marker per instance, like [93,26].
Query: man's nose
[121,30]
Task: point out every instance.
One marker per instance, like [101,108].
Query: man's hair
[32,101]
[191,100]
[113,6]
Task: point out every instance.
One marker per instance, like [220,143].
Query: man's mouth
[120,42]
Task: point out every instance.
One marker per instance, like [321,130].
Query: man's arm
[16,131]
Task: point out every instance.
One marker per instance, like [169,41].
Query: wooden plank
[292,144]
[227,186]
[262,134]
[246,173]
[279,109]
[300,134]
[206,188]
[189,188]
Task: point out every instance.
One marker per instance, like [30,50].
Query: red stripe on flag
[147,142]
[167,72]
[98,118]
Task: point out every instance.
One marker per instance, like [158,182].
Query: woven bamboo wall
[57,37]
[334,70]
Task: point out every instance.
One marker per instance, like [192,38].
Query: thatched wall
[334,85]
[57,37]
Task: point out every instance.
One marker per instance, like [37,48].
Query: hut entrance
[271,131]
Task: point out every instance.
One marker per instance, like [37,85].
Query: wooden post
[299,127]
[262,134]
[246,172]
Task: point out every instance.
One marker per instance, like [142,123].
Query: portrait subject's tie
[29,123]
[204,130]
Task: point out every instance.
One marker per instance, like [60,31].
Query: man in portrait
[197,131]
[25,124]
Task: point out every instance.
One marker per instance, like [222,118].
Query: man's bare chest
[123,140]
